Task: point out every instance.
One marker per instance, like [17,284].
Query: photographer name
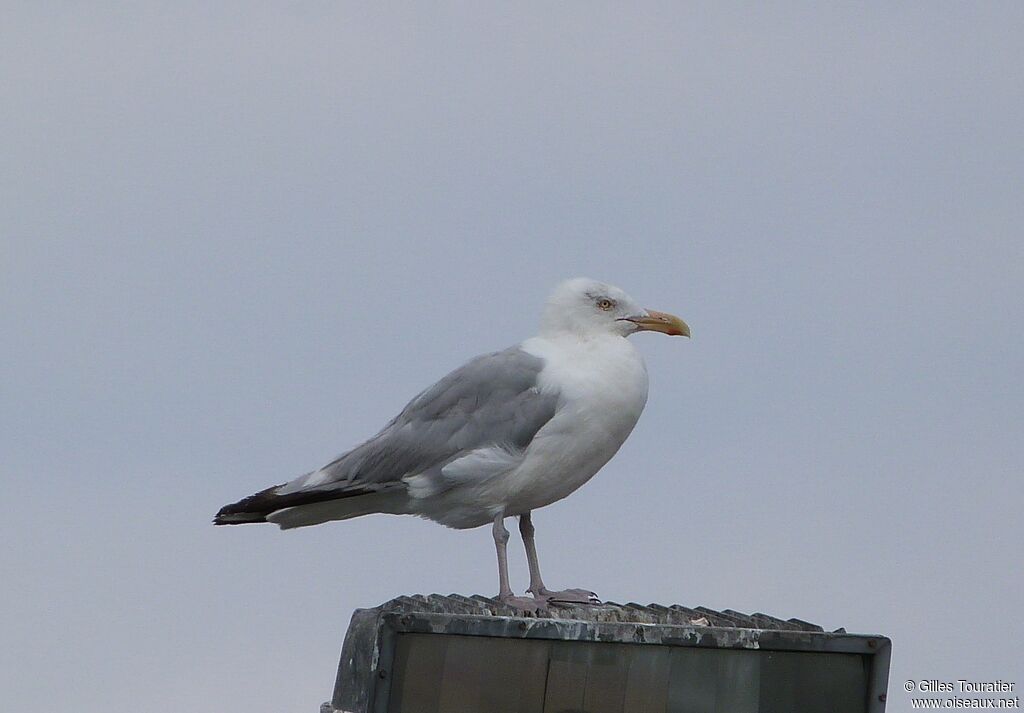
[964,686]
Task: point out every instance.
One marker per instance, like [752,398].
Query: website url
[943,703]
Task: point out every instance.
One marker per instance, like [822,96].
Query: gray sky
[235,238]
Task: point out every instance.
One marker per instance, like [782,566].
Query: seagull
[501,436]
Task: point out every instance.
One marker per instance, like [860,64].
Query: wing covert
[492,401]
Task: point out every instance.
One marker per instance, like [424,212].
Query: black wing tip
[235,515]
[253,508]
[239,518]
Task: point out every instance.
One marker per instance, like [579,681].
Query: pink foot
[568,596]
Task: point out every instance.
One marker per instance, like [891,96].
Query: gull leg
[528,605]
[537,588]
[527,531]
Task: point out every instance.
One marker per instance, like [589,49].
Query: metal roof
[606,612]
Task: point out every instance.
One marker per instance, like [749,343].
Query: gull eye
[605,304]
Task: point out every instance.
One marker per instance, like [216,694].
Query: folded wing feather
[474,423]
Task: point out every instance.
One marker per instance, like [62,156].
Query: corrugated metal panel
[609,612]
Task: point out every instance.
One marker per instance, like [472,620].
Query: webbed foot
[567,596]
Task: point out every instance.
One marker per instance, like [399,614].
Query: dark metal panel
[417,674]
[739,684]
[566,679]
[534,677]
[787,682]
[691,682]
[606,678]
[504,685]
[648,667]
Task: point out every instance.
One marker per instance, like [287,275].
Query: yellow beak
[662,322]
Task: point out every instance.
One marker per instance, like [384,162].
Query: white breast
[602,388]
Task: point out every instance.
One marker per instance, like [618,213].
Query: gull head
[586,307]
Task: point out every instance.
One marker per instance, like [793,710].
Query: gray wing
[473,424]
[491,402]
